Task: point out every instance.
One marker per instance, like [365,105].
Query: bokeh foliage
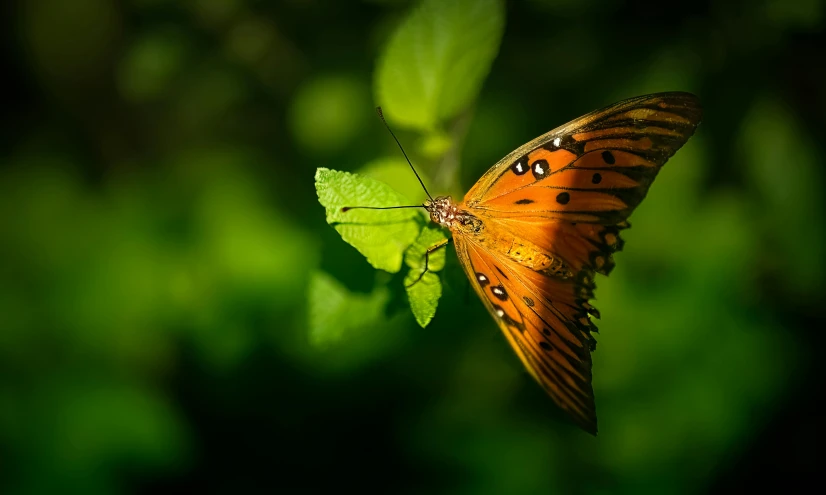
[178,314]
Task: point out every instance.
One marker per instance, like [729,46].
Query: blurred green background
[176,314]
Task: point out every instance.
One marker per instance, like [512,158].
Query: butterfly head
[448,214]
[442,211]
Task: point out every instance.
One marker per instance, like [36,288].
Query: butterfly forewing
[596,168]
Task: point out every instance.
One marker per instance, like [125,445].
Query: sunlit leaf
[435,62]
[336,312]
[424,295]
[381,236]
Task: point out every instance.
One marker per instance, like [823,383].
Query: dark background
[159,234]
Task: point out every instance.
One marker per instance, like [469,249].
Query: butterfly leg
[432,248]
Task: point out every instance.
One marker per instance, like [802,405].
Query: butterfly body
[535,229]
[461,222]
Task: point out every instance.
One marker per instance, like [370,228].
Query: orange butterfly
[535,229]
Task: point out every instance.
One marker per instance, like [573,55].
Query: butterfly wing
[568,193]
[595,169]
[543,323]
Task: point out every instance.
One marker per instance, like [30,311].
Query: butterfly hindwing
[542,320]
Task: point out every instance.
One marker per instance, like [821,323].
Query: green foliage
[651,321]
[336,312]
[88,424]
[431,69]
[801,14]
[385,236]
[396,173]
[92,27]
[328,112]
[381,236]
[151,65]
[786,176]
[435,62]
[435,145]
[178,255]
[164,270]
[424,295]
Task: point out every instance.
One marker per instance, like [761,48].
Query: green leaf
[424,295]
[381,236]
[435,62]
[336,312]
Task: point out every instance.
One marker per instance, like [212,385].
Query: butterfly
[537,227]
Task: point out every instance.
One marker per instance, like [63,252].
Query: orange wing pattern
[543,323]
[568,192]
[595,169]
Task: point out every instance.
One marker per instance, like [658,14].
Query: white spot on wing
[519,167]
[500,312]
[556,142]
[538,168]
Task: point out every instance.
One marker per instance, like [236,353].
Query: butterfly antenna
[381,116]
[348,208]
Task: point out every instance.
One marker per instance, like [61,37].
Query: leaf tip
[321,175]
[423,322]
